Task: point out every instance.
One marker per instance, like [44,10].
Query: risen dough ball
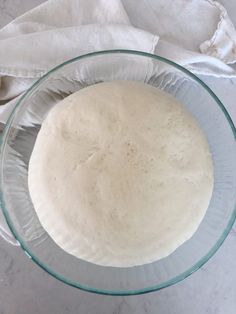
[120,174]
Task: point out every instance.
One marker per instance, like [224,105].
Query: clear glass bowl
[18,141]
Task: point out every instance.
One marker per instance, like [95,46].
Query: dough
[120,174]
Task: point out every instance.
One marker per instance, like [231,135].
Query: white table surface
[27,289]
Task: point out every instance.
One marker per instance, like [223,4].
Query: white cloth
[197,34]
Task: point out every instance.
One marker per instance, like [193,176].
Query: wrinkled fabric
[196,34]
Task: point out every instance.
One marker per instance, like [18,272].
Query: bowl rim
[76,284]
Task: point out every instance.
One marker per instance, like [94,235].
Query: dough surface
[120,174]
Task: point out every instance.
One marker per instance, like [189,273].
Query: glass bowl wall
[19,138]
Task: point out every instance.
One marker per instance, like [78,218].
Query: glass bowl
[19,138]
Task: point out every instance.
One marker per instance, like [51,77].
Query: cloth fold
[196,34]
